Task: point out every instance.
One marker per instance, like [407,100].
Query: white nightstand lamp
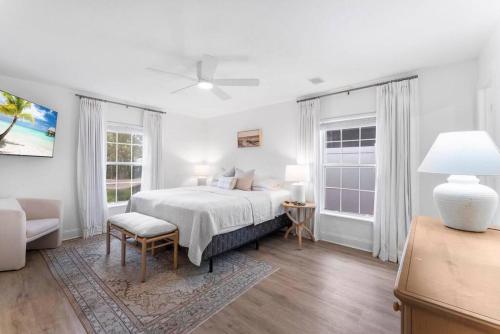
[202,172]
[463,203]
[296,174]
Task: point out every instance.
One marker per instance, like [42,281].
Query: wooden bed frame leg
[124,247]
[143,260]
[257,245]
[211,265]
[108,238]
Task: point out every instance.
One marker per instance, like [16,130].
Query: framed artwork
[250,138]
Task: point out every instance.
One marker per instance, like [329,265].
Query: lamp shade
[201,170]
[462,153]
[295,173]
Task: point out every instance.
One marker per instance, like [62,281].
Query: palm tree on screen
[14,106]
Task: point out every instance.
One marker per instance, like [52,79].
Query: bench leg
[153,249]
[143,260]
[124,247]
[211,265]
[176,246]
[108,238]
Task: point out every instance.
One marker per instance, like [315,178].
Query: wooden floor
[323,288]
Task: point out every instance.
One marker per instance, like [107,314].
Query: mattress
[203,212]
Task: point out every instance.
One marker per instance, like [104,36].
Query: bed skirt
[223,242]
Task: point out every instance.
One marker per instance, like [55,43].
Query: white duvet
[202,212]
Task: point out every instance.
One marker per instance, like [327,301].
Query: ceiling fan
[205,78]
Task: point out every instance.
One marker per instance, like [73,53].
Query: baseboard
[72,234]
[348,241]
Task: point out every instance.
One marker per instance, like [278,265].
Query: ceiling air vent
[316,81]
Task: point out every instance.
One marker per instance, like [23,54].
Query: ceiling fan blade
[237,82]
[157,70]
[178,90]
[220,93]
[208,66]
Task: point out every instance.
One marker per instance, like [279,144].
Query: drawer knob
[396,306]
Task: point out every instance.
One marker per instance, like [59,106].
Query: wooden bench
[145,230]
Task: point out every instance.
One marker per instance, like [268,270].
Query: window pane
[111,192]
[350,152]
[333,135]
[124,173]
[124,191]
[136,187]
[125,138]
[335,144]
[332,199]
[110,173]
[111,152]
[367,178]
[367,154]
[111,136]
[370,142]
[368,132]
[136,173]
[350,134]
[332,177]
[124,153]
[350,178]
[137,139]
[136,153]
[367,202]
[350,201]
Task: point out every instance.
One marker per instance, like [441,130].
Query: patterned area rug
[109,298]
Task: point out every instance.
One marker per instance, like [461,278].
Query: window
[124,165]
[349,166]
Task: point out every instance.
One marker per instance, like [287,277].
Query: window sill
[117,204]
[347,216]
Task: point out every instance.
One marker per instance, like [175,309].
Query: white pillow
[226,182]
[226,173]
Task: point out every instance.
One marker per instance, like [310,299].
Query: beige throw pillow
[244,179]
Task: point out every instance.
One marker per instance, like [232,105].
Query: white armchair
[27,223]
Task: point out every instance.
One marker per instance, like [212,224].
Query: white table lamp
[202,172]
[296,174]
[463,203]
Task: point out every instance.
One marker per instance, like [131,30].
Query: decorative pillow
[244,179]
[226,182]
[227,173]
[267,184]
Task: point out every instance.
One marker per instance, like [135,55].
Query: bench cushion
[142,225]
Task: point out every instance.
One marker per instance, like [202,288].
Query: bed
[213,220]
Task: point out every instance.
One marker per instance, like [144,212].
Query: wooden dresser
[449,280]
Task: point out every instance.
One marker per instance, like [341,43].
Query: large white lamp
[296,174]
[463,203]
[202,172]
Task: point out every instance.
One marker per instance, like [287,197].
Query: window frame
[122,129]
[357,121]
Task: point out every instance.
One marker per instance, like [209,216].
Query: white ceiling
[103,47]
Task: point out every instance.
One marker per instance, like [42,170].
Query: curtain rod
[119,103]
[357,88]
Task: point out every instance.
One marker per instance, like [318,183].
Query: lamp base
[298,193]
[465,204]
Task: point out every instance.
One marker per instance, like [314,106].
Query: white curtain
[396,149]
[154,147]
[308,152]
[91,168]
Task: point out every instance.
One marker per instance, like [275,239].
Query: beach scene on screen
[26,128]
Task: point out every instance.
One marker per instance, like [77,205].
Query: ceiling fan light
[205,85]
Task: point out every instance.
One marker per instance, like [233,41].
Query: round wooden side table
[303,214]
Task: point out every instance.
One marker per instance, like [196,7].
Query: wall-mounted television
[26,128]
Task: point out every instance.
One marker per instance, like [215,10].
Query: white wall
[489,84]
[46,177]
[56,177]
[279,132]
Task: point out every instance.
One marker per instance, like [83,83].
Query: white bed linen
[202,212]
